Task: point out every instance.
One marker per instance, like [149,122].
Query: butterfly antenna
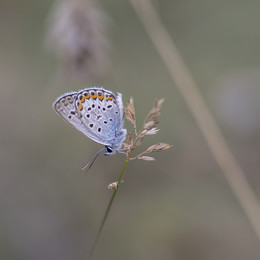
[90,163]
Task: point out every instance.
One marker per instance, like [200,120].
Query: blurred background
[177,207]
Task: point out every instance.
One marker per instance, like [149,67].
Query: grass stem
[107,211]
[208,126]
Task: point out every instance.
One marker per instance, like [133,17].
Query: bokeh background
[177,207]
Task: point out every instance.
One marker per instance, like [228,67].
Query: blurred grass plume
[76,33]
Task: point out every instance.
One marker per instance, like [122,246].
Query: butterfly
[97,113]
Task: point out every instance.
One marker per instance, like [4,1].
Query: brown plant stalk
[202,115]
[148,128]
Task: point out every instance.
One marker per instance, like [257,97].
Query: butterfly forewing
[95,112]
[65,107]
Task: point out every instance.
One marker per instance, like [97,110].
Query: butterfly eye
[108,150]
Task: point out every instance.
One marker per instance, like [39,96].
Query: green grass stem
[107,211]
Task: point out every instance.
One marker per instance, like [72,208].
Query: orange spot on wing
[87,96]
[101,97]
[94,96]
[80,107]
[111,98]
[82,99]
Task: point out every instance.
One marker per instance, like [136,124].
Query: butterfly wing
[102,114]
[65,107]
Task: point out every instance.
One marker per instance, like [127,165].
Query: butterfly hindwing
[100,113]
